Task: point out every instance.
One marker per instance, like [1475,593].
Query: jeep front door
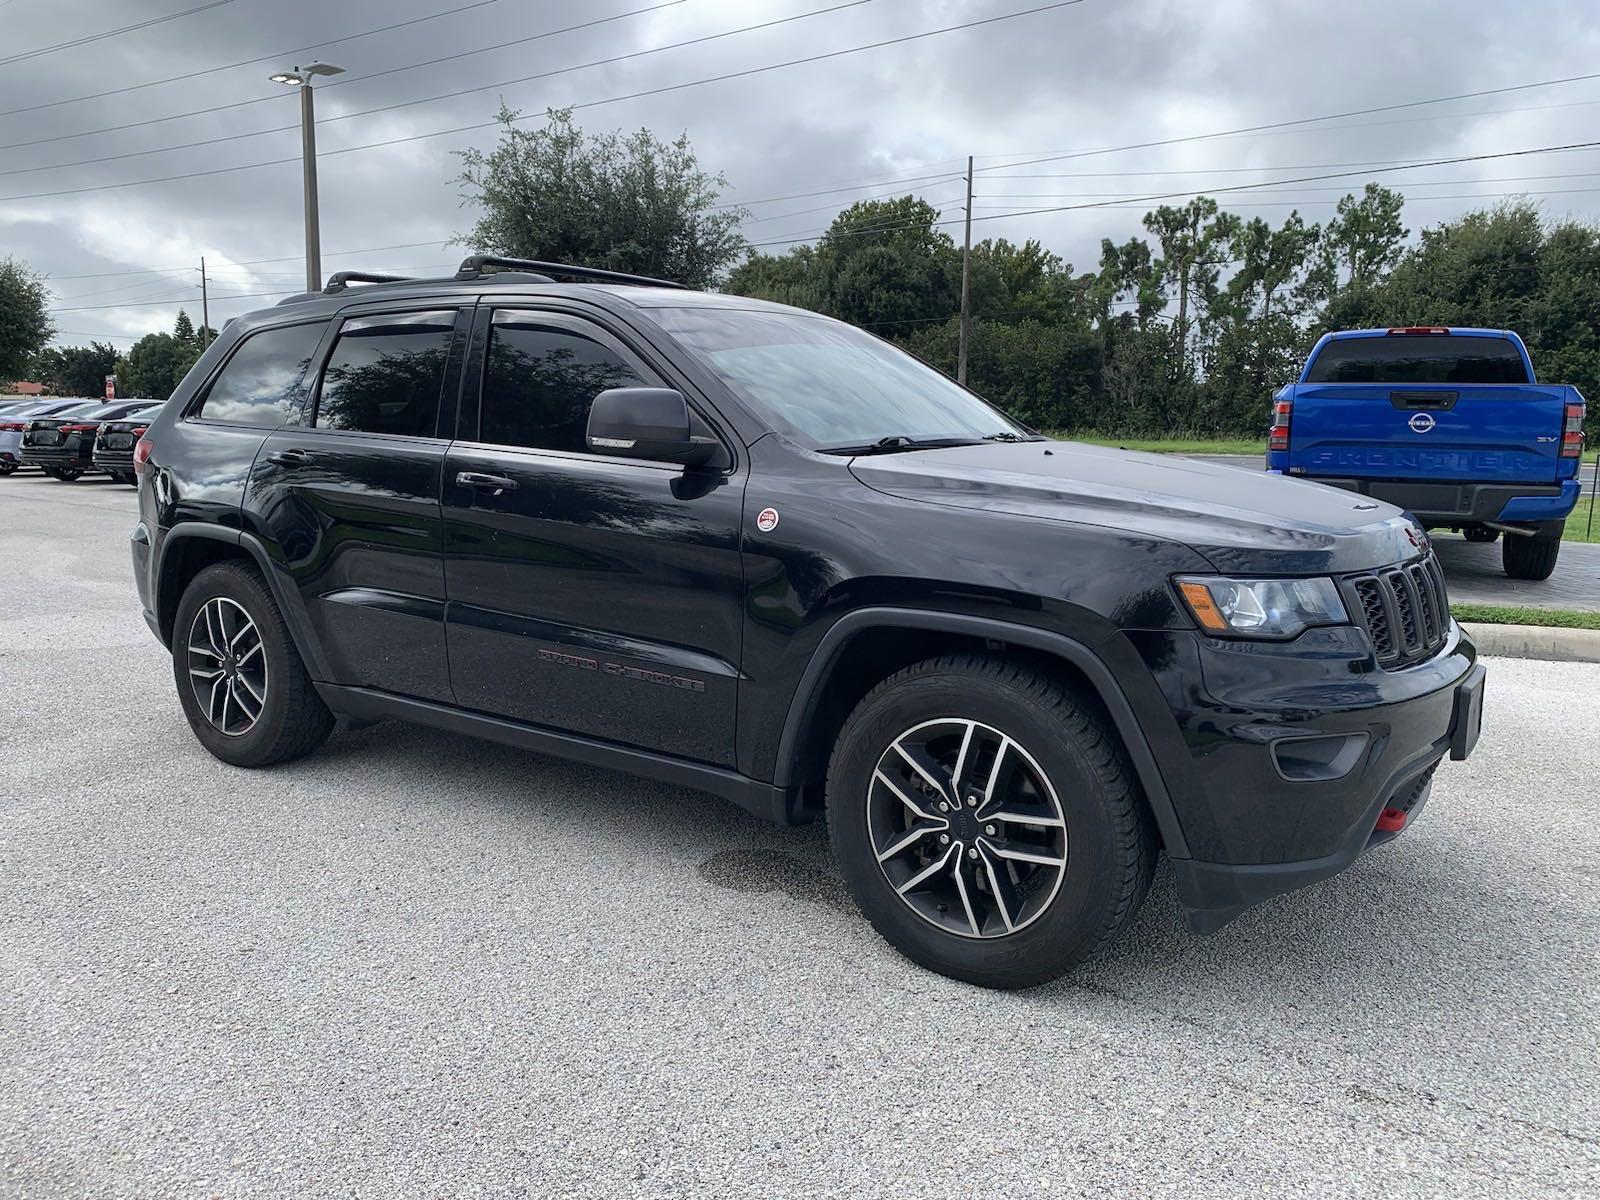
[589,594]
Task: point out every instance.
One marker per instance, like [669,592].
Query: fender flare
[286,597]
[1079,654]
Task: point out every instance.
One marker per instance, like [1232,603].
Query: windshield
[828,385]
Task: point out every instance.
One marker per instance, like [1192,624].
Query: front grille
[1403,608]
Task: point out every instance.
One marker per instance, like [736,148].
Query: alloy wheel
[227,666]
[967,828]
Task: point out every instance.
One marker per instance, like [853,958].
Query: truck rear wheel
[987,821]
[1532,557]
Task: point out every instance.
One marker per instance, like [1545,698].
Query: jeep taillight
[1572,432]
[141,455]
[1278,435]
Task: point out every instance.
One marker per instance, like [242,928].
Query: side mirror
[646,422]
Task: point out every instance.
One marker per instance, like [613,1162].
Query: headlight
[1261,608]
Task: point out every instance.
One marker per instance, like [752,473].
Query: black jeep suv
[744,548]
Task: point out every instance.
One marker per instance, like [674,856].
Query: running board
[368,704]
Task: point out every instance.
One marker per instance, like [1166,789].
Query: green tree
[1193,241]
[157,363]
[881,264]
[1258,320]
[622,203]
[76,370]
[25,325]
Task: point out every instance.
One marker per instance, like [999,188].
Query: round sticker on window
[767,520]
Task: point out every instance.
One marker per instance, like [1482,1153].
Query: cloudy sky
[87,198]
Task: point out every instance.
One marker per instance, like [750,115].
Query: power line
[247,262]
[1237,187]
[656,91]
[1299,121]
[96,37]
[198,112]
[244,62]
[488,87]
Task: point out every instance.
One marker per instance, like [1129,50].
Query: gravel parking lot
[411,965]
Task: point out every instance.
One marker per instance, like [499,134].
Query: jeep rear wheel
[1531,557]
[243,687]
[987,822]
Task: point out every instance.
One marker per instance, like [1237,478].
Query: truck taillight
[1278,435]
[1572,432]
[141,455]
[1420,329]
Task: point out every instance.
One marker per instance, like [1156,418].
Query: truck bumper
[1446,504]
[1294,765]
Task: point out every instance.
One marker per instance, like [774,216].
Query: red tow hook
[1391,820]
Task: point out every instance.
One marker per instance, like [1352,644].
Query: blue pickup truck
[1449,424]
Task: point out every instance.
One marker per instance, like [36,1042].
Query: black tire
[7,468]
[68,474]
[1109,840]
[1477,533]
[293,721]
[51,472]
[1531,557]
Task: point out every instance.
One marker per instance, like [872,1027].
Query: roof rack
[472,268]
[339,280]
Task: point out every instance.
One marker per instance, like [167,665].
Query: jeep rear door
[1425,406]
[594,595]
[347,497]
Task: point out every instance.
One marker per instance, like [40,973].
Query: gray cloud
[1099,74]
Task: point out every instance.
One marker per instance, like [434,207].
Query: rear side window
[1419,358]
[540,382]
[260,384]
[386,373]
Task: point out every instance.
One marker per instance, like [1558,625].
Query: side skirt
[366,704]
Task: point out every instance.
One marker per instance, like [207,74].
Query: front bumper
[1291,751]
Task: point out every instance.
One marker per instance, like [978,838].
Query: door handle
[290,458]
[488,483]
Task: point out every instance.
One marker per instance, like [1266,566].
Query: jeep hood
[1239,520]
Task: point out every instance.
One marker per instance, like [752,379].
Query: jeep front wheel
[987,822]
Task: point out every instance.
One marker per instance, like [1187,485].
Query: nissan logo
[1421,422]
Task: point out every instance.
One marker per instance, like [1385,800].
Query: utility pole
[205,306]
[966,284]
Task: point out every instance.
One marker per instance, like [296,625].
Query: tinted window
[386,373]
[540,381]
[1419,358]
[828,384]
[260,385]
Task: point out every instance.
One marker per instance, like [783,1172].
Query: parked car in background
[113,444]
[15,422]
[62,444]
[1446,423]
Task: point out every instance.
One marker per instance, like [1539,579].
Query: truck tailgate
[1499,433]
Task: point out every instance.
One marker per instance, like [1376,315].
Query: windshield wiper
[1007,435]
[896,442]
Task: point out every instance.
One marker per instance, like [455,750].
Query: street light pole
[301,77]
[308,151]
